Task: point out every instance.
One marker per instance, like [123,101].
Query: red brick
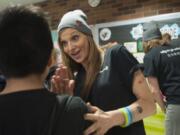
[165,11]
[110,10]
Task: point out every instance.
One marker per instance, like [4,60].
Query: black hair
[25,41]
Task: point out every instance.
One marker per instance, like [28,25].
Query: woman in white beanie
[162,69]
[110,80]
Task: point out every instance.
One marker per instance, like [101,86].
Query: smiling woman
[75,44]
[111,80]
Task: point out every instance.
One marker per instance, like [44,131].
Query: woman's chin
[78,60]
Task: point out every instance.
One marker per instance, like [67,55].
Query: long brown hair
[94,61]
[148,45]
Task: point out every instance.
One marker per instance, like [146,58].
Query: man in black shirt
[162,69]
[26,107]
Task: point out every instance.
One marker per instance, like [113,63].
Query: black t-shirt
[113,86]
[163,62]
[36,112]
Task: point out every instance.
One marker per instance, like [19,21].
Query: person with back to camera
[111,81]
[162,69]
[27,108]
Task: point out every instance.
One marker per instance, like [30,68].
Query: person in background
[162,69]
[27,108]
[110,80]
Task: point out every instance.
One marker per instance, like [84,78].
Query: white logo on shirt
[104,69]
[171,52]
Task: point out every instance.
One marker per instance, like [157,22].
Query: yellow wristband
[123,111]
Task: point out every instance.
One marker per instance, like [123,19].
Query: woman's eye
[75,37]
[64,43]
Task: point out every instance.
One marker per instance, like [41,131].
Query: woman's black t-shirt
[112,88]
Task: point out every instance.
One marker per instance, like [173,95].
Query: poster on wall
[129,32]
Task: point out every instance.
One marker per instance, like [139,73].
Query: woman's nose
[71,46]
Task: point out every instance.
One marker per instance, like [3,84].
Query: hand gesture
[103,121]
[61,83]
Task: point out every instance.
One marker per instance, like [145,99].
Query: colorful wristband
[127,116]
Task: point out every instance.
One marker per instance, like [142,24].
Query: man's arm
[157,94]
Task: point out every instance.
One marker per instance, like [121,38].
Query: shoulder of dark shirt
[76,109]
[153,52]
[114,49]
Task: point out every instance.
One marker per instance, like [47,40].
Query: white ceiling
[5,3]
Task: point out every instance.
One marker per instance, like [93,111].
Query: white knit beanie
[76,19]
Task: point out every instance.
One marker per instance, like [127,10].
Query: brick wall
[110,10]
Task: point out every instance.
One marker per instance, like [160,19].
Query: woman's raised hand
[61,83]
